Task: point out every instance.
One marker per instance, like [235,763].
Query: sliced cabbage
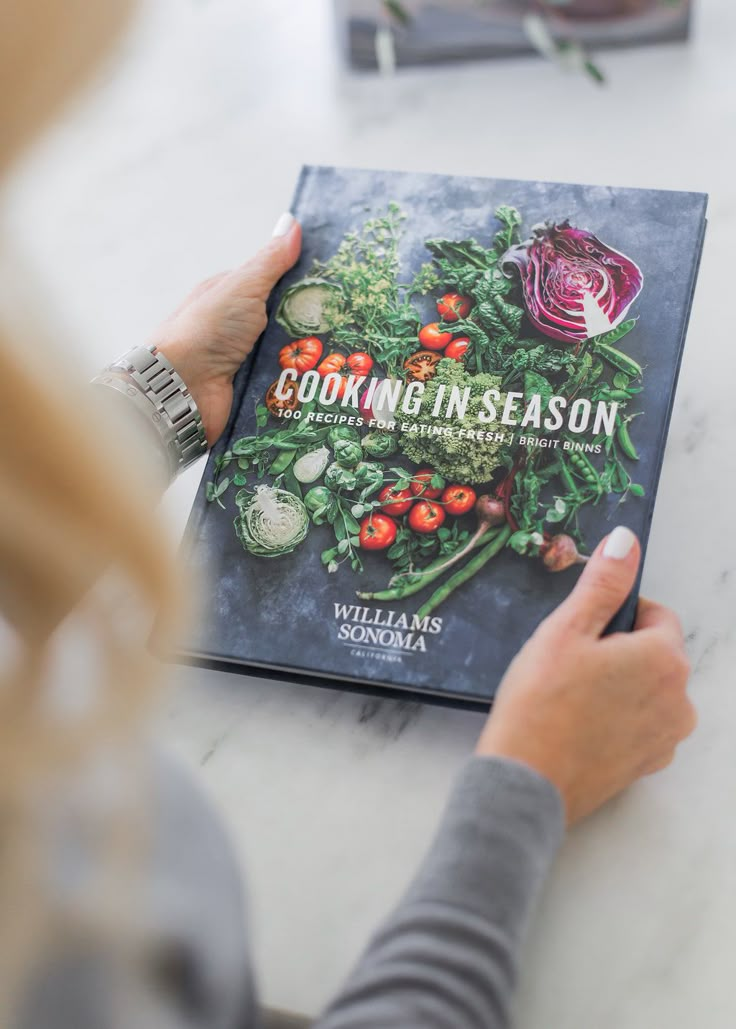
[271,521]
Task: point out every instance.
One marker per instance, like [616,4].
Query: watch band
[160,392]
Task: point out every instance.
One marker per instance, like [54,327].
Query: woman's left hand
[209,336]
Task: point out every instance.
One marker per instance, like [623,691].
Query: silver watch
[150,381]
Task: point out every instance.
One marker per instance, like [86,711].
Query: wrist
[533,752]
[155,387]
[208,386]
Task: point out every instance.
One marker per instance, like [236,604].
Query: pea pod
[622,478]
[567,478]
[282,462]
[619,360]
[616,334]
[585,469]
[624,440]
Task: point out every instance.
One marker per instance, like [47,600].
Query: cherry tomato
[395,501]
[431,337]
[331,363]
[456,349]
[421,367]
[451,307]
[426,516]
[276,404]
[302,354]
[377,532]
[421,488]
[458,500]
[360,363]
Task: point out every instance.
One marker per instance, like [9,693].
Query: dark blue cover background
[279,612]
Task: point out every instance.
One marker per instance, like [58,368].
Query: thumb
[606,582]
[260,274]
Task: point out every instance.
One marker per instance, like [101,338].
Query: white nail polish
[619,543]
[283,225]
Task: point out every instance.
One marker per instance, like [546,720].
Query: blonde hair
[70,510]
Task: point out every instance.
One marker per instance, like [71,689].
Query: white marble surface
[176,166]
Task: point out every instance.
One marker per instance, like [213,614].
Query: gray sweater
[445,958]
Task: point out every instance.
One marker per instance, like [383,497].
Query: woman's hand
[210,335]
[593,713]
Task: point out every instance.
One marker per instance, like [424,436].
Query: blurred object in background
[380,34]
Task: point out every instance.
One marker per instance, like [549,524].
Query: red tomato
[421,488]
[399,500]
[302,354]
[377,532]
[288,401]
[426,516]
[431,337]
[332,363]
[452,307]
[421,367]
[456,349]
[458,500]
[360,363]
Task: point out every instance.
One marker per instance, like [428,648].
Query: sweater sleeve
[447,957]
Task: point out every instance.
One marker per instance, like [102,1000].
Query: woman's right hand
[594,713]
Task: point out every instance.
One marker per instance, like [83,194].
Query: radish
[561,553]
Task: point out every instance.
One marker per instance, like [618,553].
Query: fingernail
[283,225]
[619,543]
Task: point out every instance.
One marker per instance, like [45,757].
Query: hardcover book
[464,385]
[431,31]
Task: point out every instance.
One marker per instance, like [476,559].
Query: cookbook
[430,31]
[464,385]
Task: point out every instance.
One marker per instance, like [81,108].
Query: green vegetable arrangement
[440,503]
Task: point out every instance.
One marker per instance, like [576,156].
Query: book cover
[465,384]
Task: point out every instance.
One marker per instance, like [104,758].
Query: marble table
[176,165]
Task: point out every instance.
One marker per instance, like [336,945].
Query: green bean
[430,573]
[625,442]
[619,360]
[467,572]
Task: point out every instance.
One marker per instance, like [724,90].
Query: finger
[606,582]
[261,273]
[651,615]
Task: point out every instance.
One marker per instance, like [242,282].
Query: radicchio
[574,285]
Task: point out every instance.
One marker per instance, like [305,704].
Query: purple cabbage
[574,285]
